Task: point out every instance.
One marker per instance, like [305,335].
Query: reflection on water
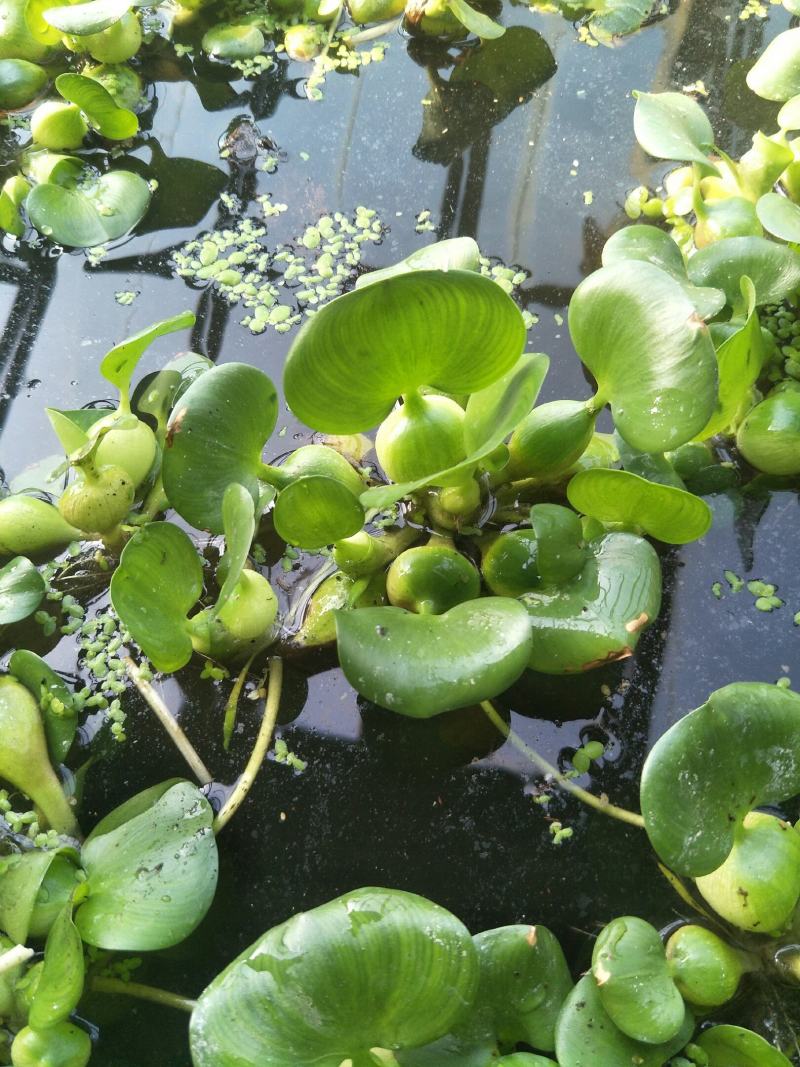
[504,144]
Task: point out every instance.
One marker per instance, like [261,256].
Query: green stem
[272,475]
[257,756]
[154,502]
[165,717]
[233,702]
[598,803]
[142,992]
[14,957]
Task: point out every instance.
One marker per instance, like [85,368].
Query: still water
[437,807]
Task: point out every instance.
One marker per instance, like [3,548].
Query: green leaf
[71,427]
[523,985]
[21,878]
[119,364]
[456,253]
[216,435]
[733,1046]
[640,336]
[21,590]
[789,114]
[773,269]
[736,752]
[587,1037]
[239,524]
[86,217]
[636,989]
[475,21]
[672,515]
[87,18]
[152,879]
[525,1059]
[20,83]
[374,968]
[61,983]
[233,41]
[111,121]
[673,126]
[597,617]
[779,216]
[454,331]
[421,665]
[776,73]
[649,244]
[315,511]
[38,678]
[156,394]
[158,581]
[618,18]
[491,415]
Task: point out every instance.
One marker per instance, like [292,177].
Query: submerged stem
[165,717]
[232,704]
[260,748]
[598,803]
[142,992]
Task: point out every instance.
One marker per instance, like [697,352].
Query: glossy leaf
[773,269]
[454,331]
[71,427]
[779,216]
[775,75]
[373,968]
[239,524]
[639,335]
[151,879]
[673,126]
[630,967]
[21,877]
[597,617]
[491,415]
[475,21]
[216,435]
[587,1037]
[733,1046]
[61,983]
[749,727]
[649,244]
[421,665]
[456,253]
[84,218]
[769,435]
[87,18]
[20,83]
[314,511]
[158,581]
[21,590]
[58,713]
[111,121]
[120,362]
[789,114]
[156,394]
[663,511]
[233,41]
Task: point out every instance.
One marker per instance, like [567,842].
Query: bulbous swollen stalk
[132,448]
[24,760]
[706,969]
[244,626]
[362,554]
[431,579]
[422,436]
[62,1045]
[32,527]
[99,499]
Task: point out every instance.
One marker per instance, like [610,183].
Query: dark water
[436,807]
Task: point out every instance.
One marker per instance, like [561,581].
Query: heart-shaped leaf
[82,217]
[61,983]
[315,511]
[775,75]
[158,581]
[54,698]
[673,126]
[475,21]
[587,1037]
[779,216]
[733,1046]
[109,119]
[456,253]
[87,18]
[21,590]
[773,269]
[734,753]
[630,968]
[374,968]
[596,617]
[216,435]
[120,362]
[649,244]
[491,415]
[640,336]
[421,665]
[152,878]
[663,511]
[454,331]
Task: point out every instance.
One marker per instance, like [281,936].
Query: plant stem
[167,720]
[14,957]
[142,992]
[260,748]
[598,803]
[229,721]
